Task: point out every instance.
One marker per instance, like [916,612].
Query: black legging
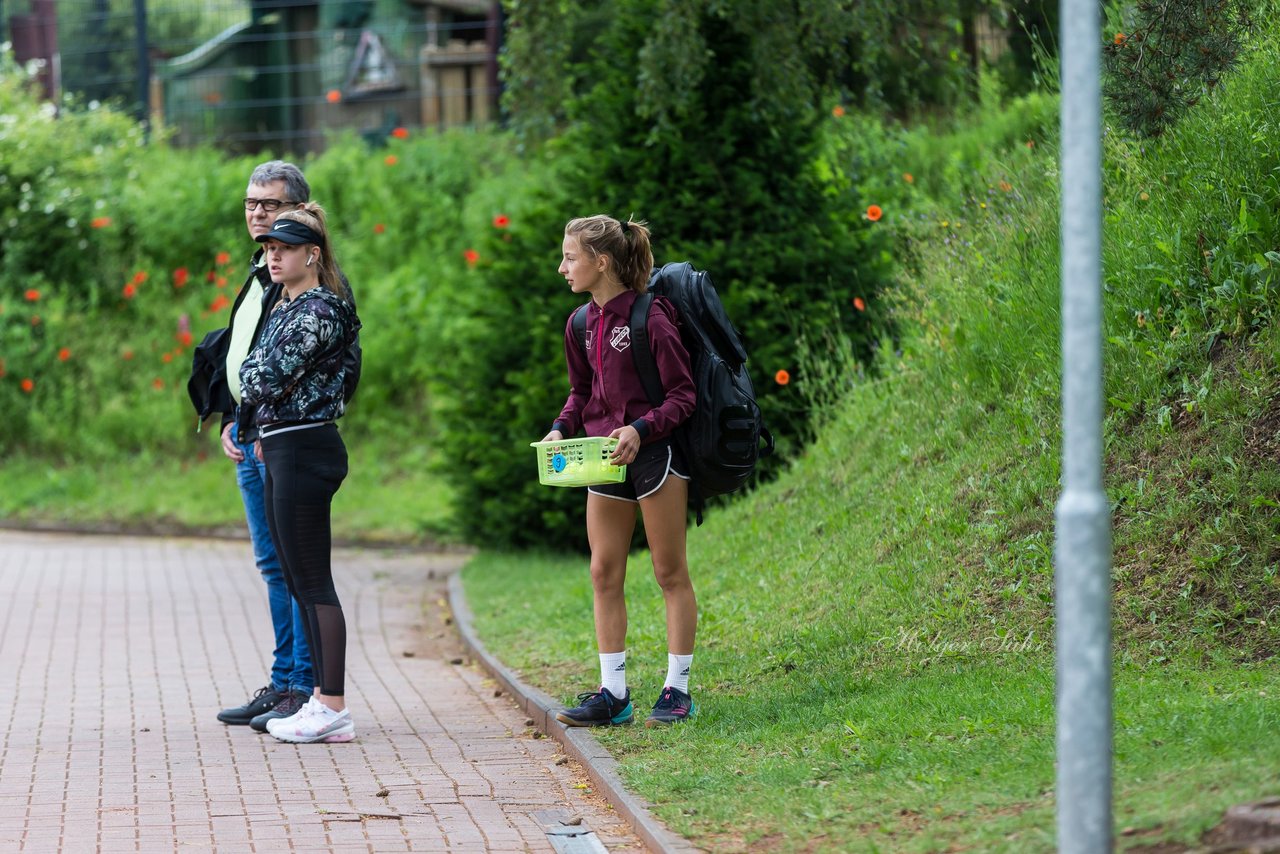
[305,467]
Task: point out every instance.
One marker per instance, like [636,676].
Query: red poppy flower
[222,258]
[837,111]
[129,291]
[400,133]
[210,276]
[180,277]
[100,221]
[1119,39]
[139,277]
[221,281]
[391,160]
[184,338]
[874,213]
[378,228]
[126,354]
[472,256]
[501,221]
[167,358]
[32,295]
[782,377]
[908,177]
[28,385]
[64,354]
[220,303]
[859,304]
[333,96]
[157,384]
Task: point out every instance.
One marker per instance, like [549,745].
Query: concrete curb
[577,742]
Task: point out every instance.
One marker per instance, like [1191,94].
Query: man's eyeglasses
[268,205]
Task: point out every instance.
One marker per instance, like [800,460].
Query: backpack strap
[580,326]
[647,368]
[641,354]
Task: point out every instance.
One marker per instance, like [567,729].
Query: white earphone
[310,258]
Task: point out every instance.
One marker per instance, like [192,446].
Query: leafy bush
[120,254]
[407,223]
[731,181]
[1170,56]
[509,380]
[93,326]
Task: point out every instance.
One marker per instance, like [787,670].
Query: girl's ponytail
[635,266]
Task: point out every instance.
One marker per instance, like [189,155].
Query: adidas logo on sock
[684,672]
[621,667]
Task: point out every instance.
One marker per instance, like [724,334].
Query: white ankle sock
[678,667]
[613,672]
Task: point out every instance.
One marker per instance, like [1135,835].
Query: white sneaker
[322,724]
[303,712]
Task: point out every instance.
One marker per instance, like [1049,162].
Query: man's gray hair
[295,184]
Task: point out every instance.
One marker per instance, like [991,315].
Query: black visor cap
[292,232]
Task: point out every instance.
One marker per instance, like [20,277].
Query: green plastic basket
[578,462]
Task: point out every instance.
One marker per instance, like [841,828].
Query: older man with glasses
[274,187]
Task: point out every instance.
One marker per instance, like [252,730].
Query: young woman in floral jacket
[293,381]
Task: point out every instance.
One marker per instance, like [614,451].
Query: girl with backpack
[611,262]
[294,381]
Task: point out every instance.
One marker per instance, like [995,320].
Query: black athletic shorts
[647,473]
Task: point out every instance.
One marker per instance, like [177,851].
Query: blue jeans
[292,666]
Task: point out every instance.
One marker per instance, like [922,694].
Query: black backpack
[207,386]
[721,439]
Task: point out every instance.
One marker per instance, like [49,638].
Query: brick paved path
[116,653]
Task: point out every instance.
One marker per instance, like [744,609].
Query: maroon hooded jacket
[605,392]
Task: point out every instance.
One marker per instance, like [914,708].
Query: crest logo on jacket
[620,338]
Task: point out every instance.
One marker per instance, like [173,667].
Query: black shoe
[673,707]
[260,702]
[598,708]
[288,705]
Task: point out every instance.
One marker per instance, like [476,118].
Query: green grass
[874,662]
[865,684]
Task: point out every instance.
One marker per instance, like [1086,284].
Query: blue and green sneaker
[598,708]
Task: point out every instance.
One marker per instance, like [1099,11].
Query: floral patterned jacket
[296,371]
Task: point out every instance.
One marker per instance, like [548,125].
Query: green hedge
[733,181]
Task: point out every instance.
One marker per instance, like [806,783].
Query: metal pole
[144,62]
[1082,552]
